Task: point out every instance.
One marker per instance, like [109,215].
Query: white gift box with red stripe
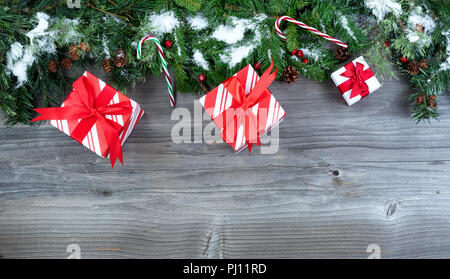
[96,141]
[219,99]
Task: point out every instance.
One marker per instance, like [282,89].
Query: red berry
[299,53]
[305,61]
[403,59]
[294,52]
[257,66]
[386,44]
[168,43]
[201,77]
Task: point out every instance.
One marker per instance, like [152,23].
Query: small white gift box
[355,80]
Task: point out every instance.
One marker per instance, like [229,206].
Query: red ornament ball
[386,44]
[168,43]
[305,61]
[294,52]
[257,66]
[201,77]
[299,53]
[403,59]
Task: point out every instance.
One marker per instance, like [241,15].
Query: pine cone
[290,74]
[52,66]
[432,101]
[74,52]
[83,46]
[107,65]
[420,99]
[342,54]
[413,67]
[66,63]
[423,64]
[120,59]
[419,28]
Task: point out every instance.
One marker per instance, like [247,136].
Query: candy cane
[163,62]
[307,27]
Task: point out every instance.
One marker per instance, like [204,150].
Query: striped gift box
[268,111]
[95,140]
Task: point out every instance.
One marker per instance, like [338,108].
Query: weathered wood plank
[343,178]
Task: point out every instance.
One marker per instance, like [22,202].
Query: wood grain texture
[343,178]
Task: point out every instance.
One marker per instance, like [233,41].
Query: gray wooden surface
[343,178]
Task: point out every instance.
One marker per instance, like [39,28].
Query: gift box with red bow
[355,80]
[243,108]
[96,115]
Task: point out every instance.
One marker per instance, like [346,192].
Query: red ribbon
[356,82]
[91,110]
[240,112]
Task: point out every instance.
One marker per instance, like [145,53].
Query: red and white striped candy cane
[307,27]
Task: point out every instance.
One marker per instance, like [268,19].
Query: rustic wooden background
[342,179]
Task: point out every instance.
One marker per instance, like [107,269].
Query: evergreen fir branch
[181,78]
[379,57]
[191,5]
[291,37]
[109,25]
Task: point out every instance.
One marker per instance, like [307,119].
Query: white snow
[69,33]
[420,39]
[446,64]
[40,37]
[178,46]
[18,59]
[235,54]
[293,57]
[232,34]
[199,60]
[15,52]
[198,22]
[311,53]
[39,30]
[412,36]
[416,17]
[106,49]
[164,22]
[382,7]
[344,23]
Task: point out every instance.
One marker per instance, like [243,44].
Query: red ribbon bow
[91,110]
[356,82]
[240,112]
